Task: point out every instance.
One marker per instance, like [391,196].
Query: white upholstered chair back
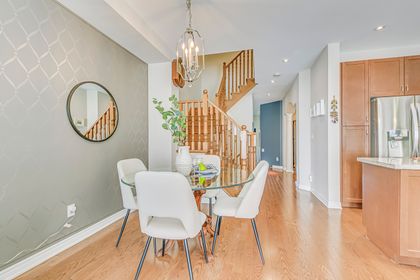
[167,195]
[126,167]
[251,194]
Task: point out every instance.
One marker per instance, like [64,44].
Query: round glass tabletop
[232,178]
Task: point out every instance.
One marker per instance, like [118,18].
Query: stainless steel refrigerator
[394,126]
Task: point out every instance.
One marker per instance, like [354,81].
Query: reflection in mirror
[92,111]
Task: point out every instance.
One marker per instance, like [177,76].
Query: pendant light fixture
[190,52]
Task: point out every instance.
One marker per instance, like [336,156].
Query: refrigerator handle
[414,116]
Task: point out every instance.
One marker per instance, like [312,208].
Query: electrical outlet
[310,178]
[277,159]
[71,210]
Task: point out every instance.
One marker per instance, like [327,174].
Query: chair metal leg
[123,227]
[257,237]
[210,207]
[215,235]
[163,247]
[203,241]
[218,231]
[155,246]
[187,253]
[143,257]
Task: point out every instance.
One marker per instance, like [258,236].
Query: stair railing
[234,75]
[104,125]
[210,130]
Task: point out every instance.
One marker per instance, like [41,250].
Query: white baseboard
[303,187]
[30,262]
[277,167]
[329,204]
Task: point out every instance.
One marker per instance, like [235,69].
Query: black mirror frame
[71,119]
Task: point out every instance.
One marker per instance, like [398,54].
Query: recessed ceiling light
[268,94]
[277,74]
[380,28]
[285,60]
[272,81]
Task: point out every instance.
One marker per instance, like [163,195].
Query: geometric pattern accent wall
[44,165]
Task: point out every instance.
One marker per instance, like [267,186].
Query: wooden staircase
[104,125]
[237,80]
[210,130]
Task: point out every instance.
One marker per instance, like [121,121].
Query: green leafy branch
[174,120]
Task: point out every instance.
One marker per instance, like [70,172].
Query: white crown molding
[30,262]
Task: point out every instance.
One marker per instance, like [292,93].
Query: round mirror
[92,111]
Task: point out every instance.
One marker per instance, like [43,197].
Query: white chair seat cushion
[170,228]
[227,206]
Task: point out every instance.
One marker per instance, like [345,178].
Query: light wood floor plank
[301,239]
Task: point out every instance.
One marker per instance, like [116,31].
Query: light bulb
[196,49]
[183,45]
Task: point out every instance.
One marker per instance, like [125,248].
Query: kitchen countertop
[393,163]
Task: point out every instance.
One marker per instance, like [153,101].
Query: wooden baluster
[228,140]
[193,147]
[112,117]
[205,121]
[212,132]
[252,63]
[252,152]
[244,147]
[243,68]
[222,138]
[217,124]
[236,76]
[236,145]
[199,124]
[103,127]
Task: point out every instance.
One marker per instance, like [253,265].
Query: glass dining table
[230,179]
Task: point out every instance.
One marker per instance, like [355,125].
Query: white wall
[325,136]
[160,140]
[210,78]
[303,170]
[243,111]
[319,128]
[334,189]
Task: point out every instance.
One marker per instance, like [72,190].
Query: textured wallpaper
[44,165]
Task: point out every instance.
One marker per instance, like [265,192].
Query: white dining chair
[215,161]
[126,167]
[167,210]
[245,206]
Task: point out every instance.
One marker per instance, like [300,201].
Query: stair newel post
[252,150]
[204,115]
[244,147]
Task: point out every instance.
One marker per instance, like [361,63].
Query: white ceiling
[275,29]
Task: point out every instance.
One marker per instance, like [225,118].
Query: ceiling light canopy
[272,81]
[285,60]
[380,28]
[190,52]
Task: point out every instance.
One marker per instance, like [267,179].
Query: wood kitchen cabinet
[354,144]
[386,77]
[412,75]
[354,93]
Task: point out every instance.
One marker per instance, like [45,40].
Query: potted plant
[174,121]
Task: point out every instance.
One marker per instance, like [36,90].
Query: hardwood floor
[301,239]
